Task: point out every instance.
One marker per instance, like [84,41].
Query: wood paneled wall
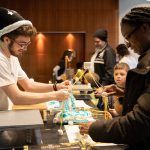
[47,50]
[83,16]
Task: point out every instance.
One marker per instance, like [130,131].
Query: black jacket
[133,127]
[106,62]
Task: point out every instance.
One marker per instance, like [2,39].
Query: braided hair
[137,15]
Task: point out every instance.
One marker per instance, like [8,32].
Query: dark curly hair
[137,15]
[122,50]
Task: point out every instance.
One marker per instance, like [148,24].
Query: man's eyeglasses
[22,45]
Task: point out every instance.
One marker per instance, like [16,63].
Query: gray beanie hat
[101,34]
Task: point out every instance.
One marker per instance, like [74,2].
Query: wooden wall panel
[64,15]
[39,61]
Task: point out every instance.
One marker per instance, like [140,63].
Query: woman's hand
[110,90]
[84,128]
[114,90]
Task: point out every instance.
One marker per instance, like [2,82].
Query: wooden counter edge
[40,106]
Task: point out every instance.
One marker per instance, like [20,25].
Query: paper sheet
[74,136]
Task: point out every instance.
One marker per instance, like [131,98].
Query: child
[120,73]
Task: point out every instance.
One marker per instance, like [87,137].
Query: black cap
[10,21]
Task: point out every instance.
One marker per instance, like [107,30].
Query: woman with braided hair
[133,127]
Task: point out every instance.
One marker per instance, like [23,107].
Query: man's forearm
[40,87]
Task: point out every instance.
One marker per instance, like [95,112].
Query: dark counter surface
[52,140]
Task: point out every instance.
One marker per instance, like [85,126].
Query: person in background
[133,127]
[127,56]
[59,69]
[114,102]
[104,58]
[79,65]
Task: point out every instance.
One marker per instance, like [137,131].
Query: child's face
[120,77]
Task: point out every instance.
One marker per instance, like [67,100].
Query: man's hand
[64,85]
[62,95]
[84,128]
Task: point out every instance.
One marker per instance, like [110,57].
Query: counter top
[20,119]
